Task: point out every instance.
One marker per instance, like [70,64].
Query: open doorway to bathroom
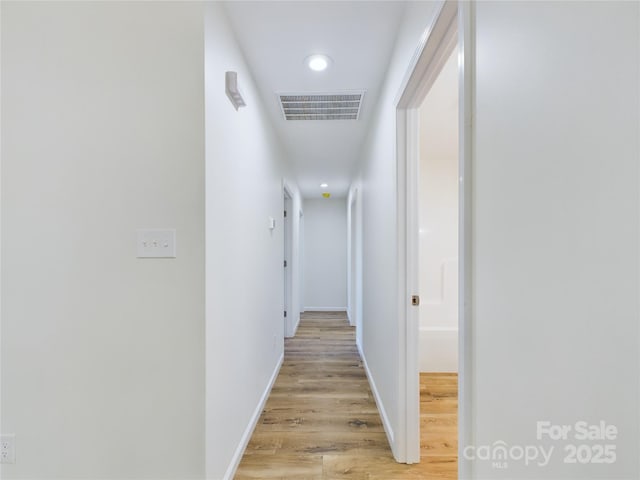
[438,269]
[434,230]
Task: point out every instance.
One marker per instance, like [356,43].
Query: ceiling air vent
[321,106]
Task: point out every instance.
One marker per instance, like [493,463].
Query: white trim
[248,432]
[413,283]
[295,327]
[325,309]
[350,255]
[376,395]
[420,76]
[404,85]
[354,260]
[296,248]
[466,141]
[451,26]
[288,244]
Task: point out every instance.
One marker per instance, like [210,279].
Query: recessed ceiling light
[318,63]
[323,185]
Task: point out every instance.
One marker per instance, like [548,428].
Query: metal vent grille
[321,106]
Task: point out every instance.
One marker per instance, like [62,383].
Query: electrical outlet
[7,449]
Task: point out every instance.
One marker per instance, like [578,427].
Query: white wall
[555,199]
[555,192]
[377,176]
[325,254]
[245,166]
[102,133]
[438,217]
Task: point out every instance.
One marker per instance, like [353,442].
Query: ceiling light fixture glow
[318,63]
[323,185]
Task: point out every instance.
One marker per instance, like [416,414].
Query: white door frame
[287,250]
[354,259]
[301,262]
[452,26]
[351,257]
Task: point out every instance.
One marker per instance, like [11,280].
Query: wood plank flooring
[321,421]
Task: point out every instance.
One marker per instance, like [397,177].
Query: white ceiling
[359,37]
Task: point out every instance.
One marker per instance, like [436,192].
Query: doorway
[450,31]
[287,262]
[354,259]
[438,267]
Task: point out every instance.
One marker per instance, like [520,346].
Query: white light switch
[8,448]
[157,243]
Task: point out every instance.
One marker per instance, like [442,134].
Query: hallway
[151,283]
[321,419]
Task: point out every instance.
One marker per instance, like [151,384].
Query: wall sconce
[231,87]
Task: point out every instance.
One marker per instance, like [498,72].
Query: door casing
[452,25]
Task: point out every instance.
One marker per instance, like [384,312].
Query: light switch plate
[8,448]
[157,243]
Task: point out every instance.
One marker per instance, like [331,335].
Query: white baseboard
[295,327]
[290,328]
[376,395]
[325,309]
[246,436]
[351,321]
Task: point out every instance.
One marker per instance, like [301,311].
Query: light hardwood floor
[321,421]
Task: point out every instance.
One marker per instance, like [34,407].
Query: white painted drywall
[438,217]
[555,196]
[325,254]
[377,176]
[245,166]
[102,133]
